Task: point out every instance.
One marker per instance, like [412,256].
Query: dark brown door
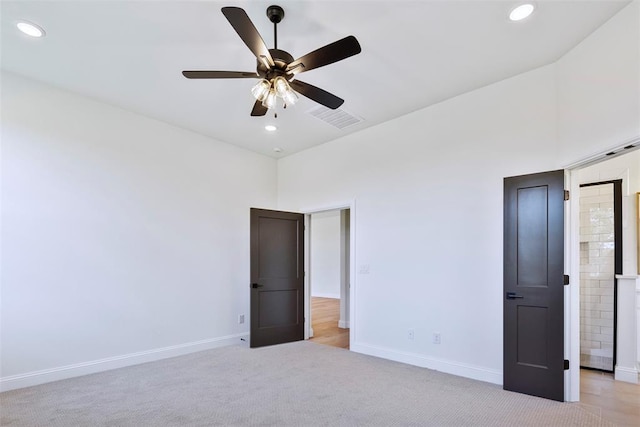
[534,284]
[277,277]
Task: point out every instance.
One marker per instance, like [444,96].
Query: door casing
[572,262]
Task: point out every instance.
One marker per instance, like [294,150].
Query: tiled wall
[597,272]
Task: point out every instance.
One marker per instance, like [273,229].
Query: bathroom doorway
[600,261]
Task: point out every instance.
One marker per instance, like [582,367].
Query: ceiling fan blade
[326,55]
[259,109]
[240,22]
[316,94]
[220,74]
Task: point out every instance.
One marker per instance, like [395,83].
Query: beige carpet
[297,384]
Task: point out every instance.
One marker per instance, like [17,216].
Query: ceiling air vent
[338,118]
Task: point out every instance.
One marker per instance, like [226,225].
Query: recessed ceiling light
[521,12]
[271,128]
[277,149]
[30,29]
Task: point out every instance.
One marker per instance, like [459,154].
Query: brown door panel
[277,277]
[534,284]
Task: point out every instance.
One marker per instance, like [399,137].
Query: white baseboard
[323,295]
[446,366]
[70,371]
[629,375]
[343,324]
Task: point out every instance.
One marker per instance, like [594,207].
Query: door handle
[256,286]
[513,295]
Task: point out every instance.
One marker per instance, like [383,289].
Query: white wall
[121,235]
[599,89]
[325,254]
[428,190]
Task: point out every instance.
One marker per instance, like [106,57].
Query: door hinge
[566,364]
[566,194]
[566,279]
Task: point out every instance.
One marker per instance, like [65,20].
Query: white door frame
[351,205]
[572,261]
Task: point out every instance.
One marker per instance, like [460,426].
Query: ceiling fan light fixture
[521,12]
[290,97]
[281,86]
[261,89]
[284,91]
[270,100]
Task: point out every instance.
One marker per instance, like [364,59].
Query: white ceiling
[414,54]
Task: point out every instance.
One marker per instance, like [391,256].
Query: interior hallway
[325,314]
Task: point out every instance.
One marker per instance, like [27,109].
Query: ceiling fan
[276,68]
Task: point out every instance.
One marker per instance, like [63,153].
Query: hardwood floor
[615,401]
[325,313]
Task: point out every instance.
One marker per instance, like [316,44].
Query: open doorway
[600,262]
[605,231]
[329,276]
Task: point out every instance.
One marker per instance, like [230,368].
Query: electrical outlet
[436,338]
[241,319]
[410,334]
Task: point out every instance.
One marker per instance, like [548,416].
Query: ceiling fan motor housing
[280,59]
